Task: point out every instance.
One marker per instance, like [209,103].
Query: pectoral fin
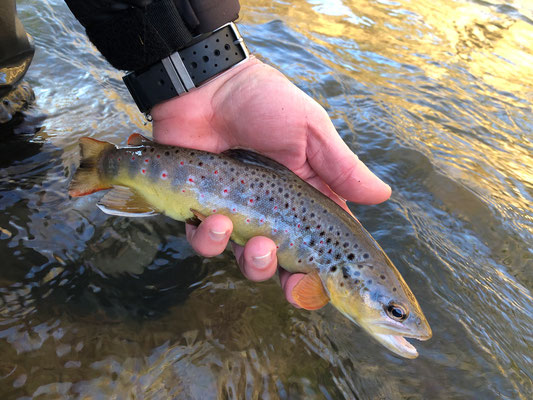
[124,202]
[197,218]
[309,293]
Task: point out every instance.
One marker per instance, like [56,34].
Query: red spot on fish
[277,247]
[321,242]
[202,196]
[214,211]
[242,181]
[133,158]
[286,231]
[234,209]
[181,163]
[292,244]
[164,175]
[225,190]
[293,209]
[248,220]
[119,159]
[275,230]
[183,190]
[305,242]
[251,200]
[216,172]
[261,220]
[158,156]
[191,180]
[143,171]
[146,160]
[298,225]
[275,207]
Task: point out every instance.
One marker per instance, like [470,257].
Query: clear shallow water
[434,95]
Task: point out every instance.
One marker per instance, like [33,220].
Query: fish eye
[396,311]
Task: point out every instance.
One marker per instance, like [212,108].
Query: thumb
[338,166]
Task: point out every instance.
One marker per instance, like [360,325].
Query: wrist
[197,98]
[188,68]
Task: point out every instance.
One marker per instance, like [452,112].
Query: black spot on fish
[333,269]
[382,277]
[360,266]
[341,284]
[232,169]
[324,211]
[261,185]
[322,233]
[312,242]
[286,195]
[336,243]
[225,162]
[337,256]
[345,272]
[200,164]
[370,282]
[328,240]
[312,215]
[152,150]
[311,259]
[280,190]
[351,256]
[307,227]
[345,244]
[286,205]
[393,289]
[176,151]
[192,153]
[299,194]
[356,281]
[303,208]
[355,246]
[290,186]
[252,185]
[271,199]
[320,251]
[330,228]
[366,255]
[211,158]
[167,153]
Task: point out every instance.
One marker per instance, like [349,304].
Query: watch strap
[188,68]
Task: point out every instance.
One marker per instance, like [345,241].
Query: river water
[435,96]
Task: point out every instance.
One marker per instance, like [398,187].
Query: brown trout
[314,235]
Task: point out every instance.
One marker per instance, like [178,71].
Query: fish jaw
[397,344]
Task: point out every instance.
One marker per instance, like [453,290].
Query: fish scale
[313,234]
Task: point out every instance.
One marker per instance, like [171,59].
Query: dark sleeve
[133,34]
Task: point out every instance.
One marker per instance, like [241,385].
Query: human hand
[254,106]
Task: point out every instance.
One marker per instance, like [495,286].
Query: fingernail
[218,236]
[262,261]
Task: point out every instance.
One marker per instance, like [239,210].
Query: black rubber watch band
[187,68]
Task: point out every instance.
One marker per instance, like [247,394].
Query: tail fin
[87,179]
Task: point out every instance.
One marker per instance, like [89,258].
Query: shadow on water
[433,96]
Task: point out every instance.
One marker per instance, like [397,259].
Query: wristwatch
[186,69]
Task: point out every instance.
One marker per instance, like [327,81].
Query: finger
[288,282]
[257,259]
[339,167]
[211,237]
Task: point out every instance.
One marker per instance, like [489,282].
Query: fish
[343,264]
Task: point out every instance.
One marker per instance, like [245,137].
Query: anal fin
[125,202]
[309,293]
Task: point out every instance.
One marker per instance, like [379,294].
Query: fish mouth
[399,344]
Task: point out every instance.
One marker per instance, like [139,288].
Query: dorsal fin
[253,158]
[136,139]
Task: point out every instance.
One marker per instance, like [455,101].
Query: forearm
[133,34]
